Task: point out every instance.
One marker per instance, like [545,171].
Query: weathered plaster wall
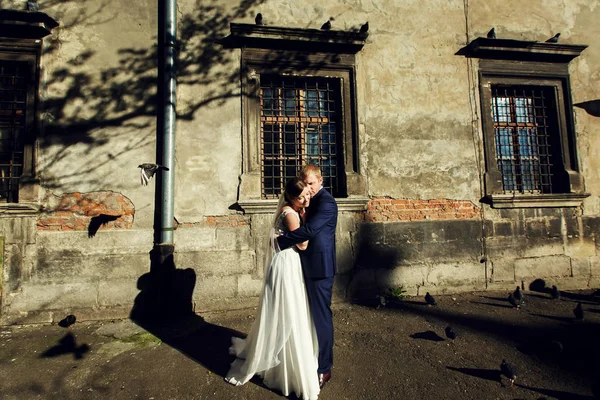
[420,147]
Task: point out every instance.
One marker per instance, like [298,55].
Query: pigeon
[382,301]
[519,295]
[430,300]
[509,371]
[578,312]
[364,28]
[492,34]
[514,302]
[67,321]
[553,39]
[147,171]
[555,293]
[259,19]
[33,6]
[327,25]
[450,333]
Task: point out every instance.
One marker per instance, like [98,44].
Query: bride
[282,344]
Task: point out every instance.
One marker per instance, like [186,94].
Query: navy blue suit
[318,264]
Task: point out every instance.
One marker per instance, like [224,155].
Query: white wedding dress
[282,344]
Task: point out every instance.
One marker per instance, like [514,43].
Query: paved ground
[396,352]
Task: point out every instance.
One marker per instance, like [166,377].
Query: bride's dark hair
[293,188]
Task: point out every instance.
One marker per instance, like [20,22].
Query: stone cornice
[522,50]
[299,39]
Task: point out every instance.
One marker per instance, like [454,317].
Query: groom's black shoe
[324,378]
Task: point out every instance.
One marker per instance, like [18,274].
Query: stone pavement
[394,352]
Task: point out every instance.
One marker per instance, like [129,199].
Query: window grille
[524,119]
[299,125]
[14,78]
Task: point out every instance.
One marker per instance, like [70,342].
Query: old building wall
[419,144]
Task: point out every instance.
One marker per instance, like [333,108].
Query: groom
[318,261]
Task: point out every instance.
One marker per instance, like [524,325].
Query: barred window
[525,132]
[300,124]
[14,79]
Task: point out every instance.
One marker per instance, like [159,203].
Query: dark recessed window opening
[526,138]
[14,78]
[300,121]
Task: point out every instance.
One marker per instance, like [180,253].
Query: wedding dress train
[281,346]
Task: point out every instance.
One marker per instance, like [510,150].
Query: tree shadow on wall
[164,308]
[112,108]
[97,106]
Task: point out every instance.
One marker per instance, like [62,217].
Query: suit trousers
[319,291]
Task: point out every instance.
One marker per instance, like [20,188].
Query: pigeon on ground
[555,293]
[259,19]
[450,333]
[67,321]
[578,312]
[509,371]
[382,301]
[327,25]
[514,302]
[553,39]
[518,295]
[364,28]
[492,34]
[147,171]
[430,300]
[33,6]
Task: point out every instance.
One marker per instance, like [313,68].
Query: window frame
[531,73]
[296,52]
[308,66]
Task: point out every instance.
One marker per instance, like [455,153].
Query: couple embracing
[290,344]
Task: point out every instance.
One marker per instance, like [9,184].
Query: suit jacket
[318,260]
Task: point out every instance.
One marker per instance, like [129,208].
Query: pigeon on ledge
[553,39]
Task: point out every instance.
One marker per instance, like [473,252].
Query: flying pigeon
[492,34]
[259,19]
[430,300]
[147,171]
[555,293]
[553,39]
[450,333]
[364,28]
[33,6]
[518,295]
[509,371]
[514,302]
[67,321]
[578,312]
[327,25]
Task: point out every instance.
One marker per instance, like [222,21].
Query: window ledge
[277,37]
[525,50]
[526,201]
[347,204]
[18,209]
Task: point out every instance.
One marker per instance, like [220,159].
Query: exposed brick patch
[227,220]
[74,211]
[386,209]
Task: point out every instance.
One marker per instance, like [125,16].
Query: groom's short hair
[309,169]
